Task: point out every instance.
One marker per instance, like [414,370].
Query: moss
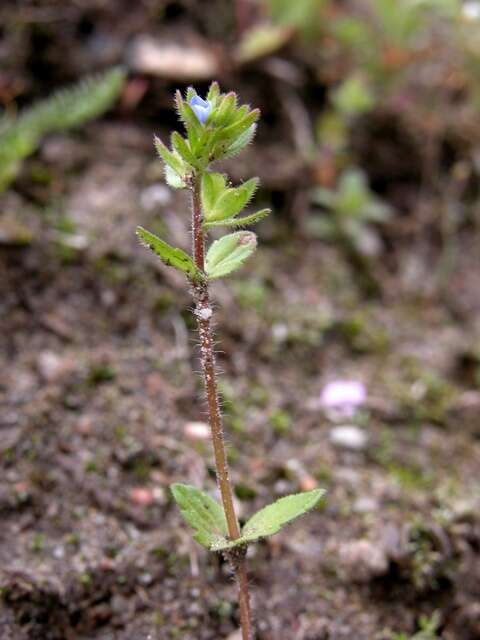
[363,335]
[111,270]
[430,566]
[120,432]
[222,610]
[411,477]
[91,466]
[99,373]
[158,619]
[72,540]
[423,394]
[244,492]
[164,302]
[324,476]
[85,579]
[38,543]
[112,551]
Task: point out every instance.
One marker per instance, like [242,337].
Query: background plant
[217,128]
[428,627]
[67,108]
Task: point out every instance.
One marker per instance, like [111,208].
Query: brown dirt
[99,380]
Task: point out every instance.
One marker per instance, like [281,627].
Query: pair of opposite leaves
[207,518]
[223,257]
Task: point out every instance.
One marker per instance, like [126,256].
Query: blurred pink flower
[343,397]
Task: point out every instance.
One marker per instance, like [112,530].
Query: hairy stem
[203,313]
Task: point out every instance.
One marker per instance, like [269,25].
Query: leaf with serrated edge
[183,150]
[237,146]
[213,92]
[232,201]
[169,255]
[170,159]
[203,514]
[225,110]
[229,253]
[239,127]
[245,221]
[213,185]
[271,519]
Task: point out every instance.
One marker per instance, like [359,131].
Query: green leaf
[240,126]
[73,106]
[225,110]
[65,109]
[271,519]
[173,179]
[262,40]
[232,201]
[353,193]
[354,96]
[190,94]
[182,148]
[302,14]
[239,144]
[213,185]
[245,221]
[172,160]
[203,514]
[324,197]
[229,253]
[213,92]
[169,255]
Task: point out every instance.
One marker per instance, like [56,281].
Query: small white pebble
[365,505]
[52,366]
[159,494]
[349,436]
[197,431]
[280,332]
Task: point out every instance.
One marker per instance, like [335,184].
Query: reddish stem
[203,313]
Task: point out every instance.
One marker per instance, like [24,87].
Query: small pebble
[349,436]
[365,505]
[51,366]
[142,496]
[197,431]
[362,560]
[159,495]
[307,483]
[84,425]
[58,552]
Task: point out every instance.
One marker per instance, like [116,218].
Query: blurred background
[349,346]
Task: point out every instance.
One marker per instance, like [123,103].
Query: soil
[99,386]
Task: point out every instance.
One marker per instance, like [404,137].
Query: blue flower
[201,108]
